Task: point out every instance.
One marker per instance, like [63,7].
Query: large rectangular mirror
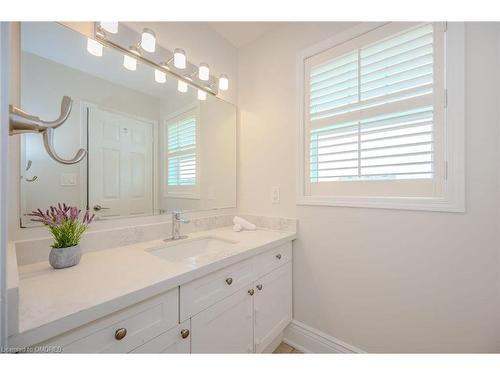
[151,149]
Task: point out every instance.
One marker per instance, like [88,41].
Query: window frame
[452,197]
[181,191]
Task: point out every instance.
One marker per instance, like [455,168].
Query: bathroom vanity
[147,146]
[215,292]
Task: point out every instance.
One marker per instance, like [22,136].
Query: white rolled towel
[244,223]
[237,228]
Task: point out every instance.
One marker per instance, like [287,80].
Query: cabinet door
[272,305]
[175,340]
[225,327]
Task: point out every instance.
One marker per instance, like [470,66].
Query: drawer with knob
[124,330]
[120,333]
[205,291]
[272,259]
[175,340]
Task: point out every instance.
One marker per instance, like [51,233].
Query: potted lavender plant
[67,229]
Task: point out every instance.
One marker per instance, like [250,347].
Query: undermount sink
[191,248]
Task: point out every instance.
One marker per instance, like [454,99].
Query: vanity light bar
[160,77]
[148,43]
[223,82]
[130,62]
[204,72]
[182,86]
[202,95]
[148,40]
[179,58]
[111,27]
[94,47]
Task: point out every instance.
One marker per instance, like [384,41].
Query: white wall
[381,280]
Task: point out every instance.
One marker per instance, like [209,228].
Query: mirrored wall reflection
[151,149]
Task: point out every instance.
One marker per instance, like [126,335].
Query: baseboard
[310,340]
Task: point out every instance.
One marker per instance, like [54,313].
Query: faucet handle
[176,216]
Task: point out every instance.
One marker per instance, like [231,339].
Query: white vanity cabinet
[250,319]
[241,308]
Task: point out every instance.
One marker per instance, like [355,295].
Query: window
[181,139]
[375,114]
[182,152]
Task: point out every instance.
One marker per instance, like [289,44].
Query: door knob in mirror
[98,207]
[184,333]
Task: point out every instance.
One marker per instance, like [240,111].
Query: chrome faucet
[176,224]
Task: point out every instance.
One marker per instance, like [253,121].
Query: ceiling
[240,34]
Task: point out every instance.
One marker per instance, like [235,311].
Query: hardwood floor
[286,349]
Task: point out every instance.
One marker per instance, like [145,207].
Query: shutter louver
[182,170]
[371,111]
[181,139]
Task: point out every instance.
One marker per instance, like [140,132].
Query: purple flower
[64,223]
[87,219]
[56,215]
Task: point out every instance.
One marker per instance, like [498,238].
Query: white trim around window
[452,197]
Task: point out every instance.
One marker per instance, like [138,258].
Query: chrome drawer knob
[120,333]
[278,256]
[259,286]
[185,333]
[229,280]
[251,292]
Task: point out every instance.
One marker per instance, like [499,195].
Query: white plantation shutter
[334,86]
[181,152]
[373,113]
[397,145]
[182,170]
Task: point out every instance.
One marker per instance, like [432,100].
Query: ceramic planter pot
[65,257]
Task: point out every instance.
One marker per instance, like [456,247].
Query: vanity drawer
[175,340]
[204,292]
[136,324]
[272,259]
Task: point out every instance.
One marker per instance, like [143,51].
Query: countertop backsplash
[37,250]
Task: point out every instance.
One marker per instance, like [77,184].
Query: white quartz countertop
[54,301]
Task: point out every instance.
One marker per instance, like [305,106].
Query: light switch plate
[275,194]
[68,179]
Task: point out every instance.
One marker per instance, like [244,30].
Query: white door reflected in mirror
[120,164]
